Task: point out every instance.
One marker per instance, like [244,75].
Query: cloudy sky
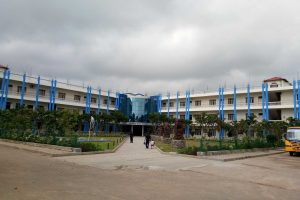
[152,46]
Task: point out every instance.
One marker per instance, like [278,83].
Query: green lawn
[107,143]
[164,147]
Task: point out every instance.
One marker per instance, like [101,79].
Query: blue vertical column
[37,93]
[159,103]
[54,95]
[50,96]
[295,100]
[99,102]
[222,112]
[187,111]
[219,103]
[248,102]
[117,101]
[87,100]
[23,91]
[87,111]
[168,105]
[6,89]
[234,104]
[107,110]
[2,89]
[298,99]
[267,101]
[90,100]
[177,94]
[263,102]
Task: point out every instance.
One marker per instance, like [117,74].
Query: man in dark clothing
[148,139]
[131,137]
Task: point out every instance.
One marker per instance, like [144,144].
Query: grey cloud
[152,46]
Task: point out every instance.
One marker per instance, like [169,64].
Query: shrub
[188,150]
[90,146]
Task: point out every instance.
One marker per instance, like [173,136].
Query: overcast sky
[152,46]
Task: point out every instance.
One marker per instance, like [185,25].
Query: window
[62,96]
[10,85]
[30,106]
[164,104]
[42,92]
[230,116]
[182,117]
[212,102]
[198,103]
[211,133]
[18,105]
[105,101]
[182,104]
[77,98]
[260,114]
[93,100]
[113,102]
[251,99]
[273,85]
[230,100]
[19,89]
[171,104]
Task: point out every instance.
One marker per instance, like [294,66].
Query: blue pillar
[87,100]
[107,105]
[263,101]
[177,104]
[90,99]
[295,100]
[298,99]
[54,95]
[159,104]
[168,104]
[248,102]
[6,90]
[23,91]
[223,100]
[267,101]
[99,102]
[117,101]
[50,96]
[2,89]
[222,112]
[37,93]
[234,104]
[187,111]
[219,103]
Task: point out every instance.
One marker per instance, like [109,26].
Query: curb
[219,159]
[32,144]
[91,152]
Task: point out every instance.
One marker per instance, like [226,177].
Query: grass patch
[165,147]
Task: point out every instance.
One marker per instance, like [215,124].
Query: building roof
[276,79]
[3,67]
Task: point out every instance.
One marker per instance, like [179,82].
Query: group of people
[147,142]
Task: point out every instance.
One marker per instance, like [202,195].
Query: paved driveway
[136,156]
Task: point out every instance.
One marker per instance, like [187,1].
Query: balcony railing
[31,96]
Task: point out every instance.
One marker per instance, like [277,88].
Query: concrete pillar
[143,130]
[131,128]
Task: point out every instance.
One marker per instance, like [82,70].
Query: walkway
[136,156]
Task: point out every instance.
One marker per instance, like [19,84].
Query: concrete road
[26,175]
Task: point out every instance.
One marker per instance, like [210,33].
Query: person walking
[148,139]
[131,137]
